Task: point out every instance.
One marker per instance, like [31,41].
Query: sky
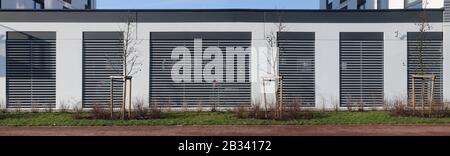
[207,4]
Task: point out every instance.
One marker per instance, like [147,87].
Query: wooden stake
[129,99]
[431,98]
[413,94]
[422,100]
[122,115]
[281,98]
[277,100]
[265,100]
[111,97]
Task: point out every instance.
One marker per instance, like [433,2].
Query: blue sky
[207,4]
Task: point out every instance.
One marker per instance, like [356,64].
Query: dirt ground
[292,130]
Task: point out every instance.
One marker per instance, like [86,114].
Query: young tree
[422,75]
[423,26]
[131,64]
[273,58]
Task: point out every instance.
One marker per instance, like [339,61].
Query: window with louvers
[297,67]
[447,11]
[165,92]
[362,69]
[432,58]
[102,58]
[31,69]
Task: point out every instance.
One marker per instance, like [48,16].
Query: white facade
[69,49]
[380,4]
[447,42]
[48,4]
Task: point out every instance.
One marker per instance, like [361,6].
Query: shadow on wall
[3,56]
[2,59]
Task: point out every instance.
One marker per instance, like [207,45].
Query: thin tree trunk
[281,99]
[432,94]
[124,98]
[265,100]
[129,100]
[111,97]
[414,94]
[422,96]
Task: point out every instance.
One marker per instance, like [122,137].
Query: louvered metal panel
[102,58]
[432,58]
[165,92]
[361,64]
[31,69]
[297,67]
[447,11]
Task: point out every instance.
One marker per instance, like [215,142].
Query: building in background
[47,4]
[380,4]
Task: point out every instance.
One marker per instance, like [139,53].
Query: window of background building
[361,4]
[342,1]
[68,1]
[361,7]
[379,4]
[88,4]
[413,4]
[38,4]
[330,6]
[344,8]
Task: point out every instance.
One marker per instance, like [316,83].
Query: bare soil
[238,130]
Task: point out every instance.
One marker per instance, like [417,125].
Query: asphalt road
[241,130]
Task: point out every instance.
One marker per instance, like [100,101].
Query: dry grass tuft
[401,107]
[291,112]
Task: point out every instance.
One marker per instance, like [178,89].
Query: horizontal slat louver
[432,58]
[31,69]
[102,58]
[165,92]
[361,74]
[447,11]
[297,67]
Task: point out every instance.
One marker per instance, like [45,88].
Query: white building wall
[446,73]
[2,67]
[69,54]
[395,62]
[446,30]
[327,68]
[68,68]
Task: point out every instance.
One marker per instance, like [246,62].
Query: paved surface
[309,130]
